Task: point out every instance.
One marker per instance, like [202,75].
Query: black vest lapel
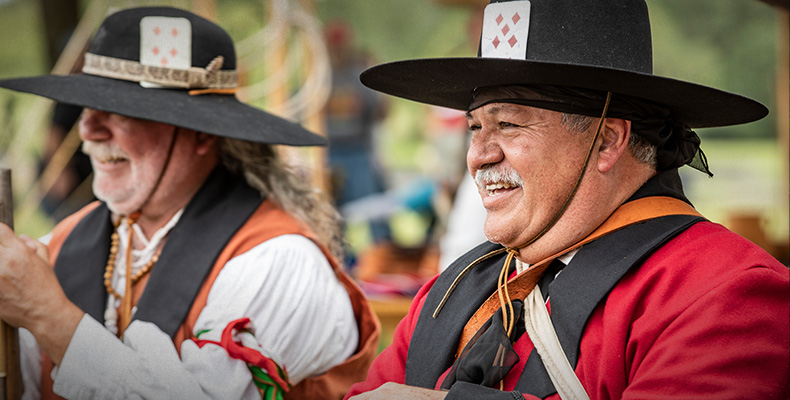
[211,218]
[217,211]
[434,341]
[588,279]
[82,259]
[574,294]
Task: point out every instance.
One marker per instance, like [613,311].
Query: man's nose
[483,150]
[93,125]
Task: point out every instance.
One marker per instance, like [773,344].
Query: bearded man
[600,279]
[209,268]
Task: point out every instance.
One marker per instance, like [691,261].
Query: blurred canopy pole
[291,52]
[32,189]
[314,118]
[783,90]
[59,17]
[10,370]
[205,8]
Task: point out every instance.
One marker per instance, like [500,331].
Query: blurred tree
[727,44]
[396,30]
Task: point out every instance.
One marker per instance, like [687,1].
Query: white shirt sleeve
[301,318]
[30,362]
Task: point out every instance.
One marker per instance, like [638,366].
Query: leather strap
[541,331]
[630,213]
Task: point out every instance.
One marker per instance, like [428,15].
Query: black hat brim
[450,82]
[216,114]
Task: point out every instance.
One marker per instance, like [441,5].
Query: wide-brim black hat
[188,68]
[596,45]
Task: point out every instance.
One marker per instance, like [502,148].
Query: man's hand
[30,295]
[392,390]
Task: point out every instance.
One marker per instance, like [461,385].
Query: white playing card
[166,42]
[505,30]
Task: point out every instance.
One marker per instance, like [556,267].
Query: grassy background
[728,44]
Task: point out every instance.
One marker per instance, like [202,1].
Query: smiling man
[600,279]
[209,268]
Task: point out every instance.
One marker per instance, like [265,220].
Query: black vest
[221,206]
[575,293]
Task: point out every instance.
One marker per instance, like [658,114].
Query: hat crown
[603,33]
[119,36]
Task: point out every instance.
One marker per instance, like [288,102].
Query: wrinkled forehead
[553,98]
[500,109]
[503,94]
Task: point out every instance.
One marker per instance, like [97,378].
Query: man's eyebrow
[504,107]
[497,109]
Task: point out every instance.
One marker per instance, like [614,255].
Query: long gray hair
[287,187]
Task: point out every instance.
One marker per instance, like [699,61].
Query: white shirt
[565,259]
[464,224]
[301,317]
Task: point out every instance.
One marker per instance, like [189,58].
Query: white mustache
[102,151]
[492,175]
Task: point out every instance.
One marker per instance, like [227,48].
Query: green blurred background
[734,45]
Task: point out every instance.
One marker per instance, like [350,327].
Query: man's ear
[615,134]
[204,143]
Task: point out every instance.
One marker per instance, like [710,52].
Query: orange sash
[519,287]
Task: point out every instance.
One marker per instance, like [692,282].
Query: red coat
[705,316]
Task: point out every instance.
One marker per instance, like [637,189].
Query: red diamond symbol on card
[499,19]
[157,30]
[505,30]
[516,18]
[155,50]
[164,62]
[174,32]
[495,42]
[173,52]
[512,41]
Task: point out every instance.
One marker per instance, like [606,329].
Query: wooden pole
[205,8]
[783,104]
[315,118]
[10,371]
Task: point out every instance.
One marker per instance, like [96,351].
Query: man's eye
[474,128]
[504,124]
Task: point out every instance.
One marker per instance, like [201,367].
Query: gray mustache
[493,174]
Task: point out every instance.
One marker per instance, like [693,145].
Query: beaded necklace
[122,303]
[110,268]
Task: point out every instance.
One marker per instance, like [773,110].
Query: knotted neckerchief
[489,355]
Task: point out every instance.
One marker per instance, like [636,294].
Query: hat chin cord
[126,300]
[509,317]
[139,211]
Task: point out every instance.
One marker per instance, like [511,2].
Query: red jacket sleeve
[705,317]
[390,365]
[721,349]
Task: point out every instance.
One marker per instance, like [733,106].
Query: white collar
[150,246]
[565,259]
